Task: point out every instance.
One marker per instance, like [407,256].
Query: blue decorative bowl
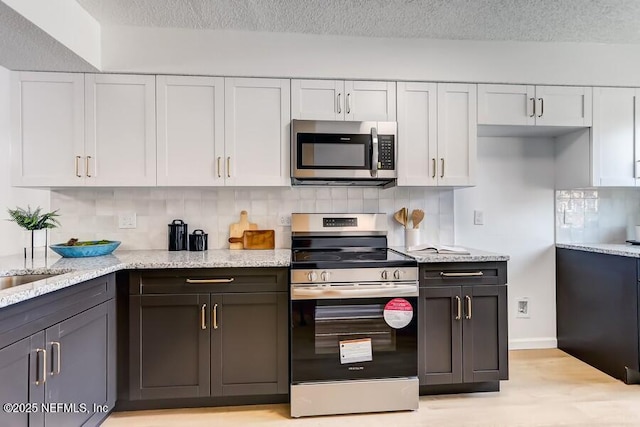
[84,251]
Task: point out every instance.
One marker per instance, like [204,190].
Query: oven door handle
[353,291]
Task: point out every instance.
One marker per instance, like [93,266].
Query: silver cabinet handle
[228,167]
[78,167]
[459,308]
[533,101]
[56,344]
[442,170]
[41,378]
[541,107]
[339,109]
[229,280]
[203,317]
[86,170]
[215,316]
[467,298]
[433,163]
[471,274]
[348,103]
[219,175]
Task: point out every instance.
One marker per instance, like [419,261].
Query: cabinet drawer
[209,280]
[457,274]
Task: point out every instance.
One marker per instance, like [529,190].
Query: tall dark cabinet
[462,327]
[208,333]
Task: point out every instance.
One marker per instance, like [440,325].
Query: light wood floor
[546,388]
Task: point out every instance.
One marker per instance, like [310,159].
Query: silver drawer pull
[210,280]
[471,274]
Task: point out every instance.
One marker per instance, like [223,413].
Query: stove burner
[321,256]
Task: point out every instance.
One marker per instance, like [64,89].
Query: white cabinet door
[457,134]
[563,106]
[257,134]
[190,130]
[375,101]
[47,145]
[506,105]
[120,142]
[317,99]
[417,134]
[615,132]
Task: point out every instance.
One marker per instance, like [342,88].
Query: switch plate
[478,217]
[127,220]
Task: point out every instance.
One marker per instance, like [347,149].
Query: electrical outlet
[127,220]
[523,308]
[284,220]
[478,217]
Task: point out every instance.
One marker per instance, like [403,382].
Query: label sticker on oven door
[398,313]
[352,351]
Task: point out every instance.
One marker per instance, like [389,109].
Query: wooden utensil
[236,229]
[405,216]
[417,215]
[256,239]
[401,216]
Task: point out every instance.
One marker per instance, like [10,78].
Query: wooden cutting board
[256,239]
[236,229]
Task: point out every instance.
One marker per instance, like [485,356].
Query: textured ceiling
[600,21]
[24,46]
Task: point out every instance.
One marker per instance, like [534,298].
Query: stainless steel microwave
[327,152]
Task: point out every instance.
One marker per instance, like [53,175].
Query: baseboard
[532,343]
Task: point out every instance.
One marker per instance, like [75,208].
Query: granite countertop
[475,255]
[70,271]
[621,249]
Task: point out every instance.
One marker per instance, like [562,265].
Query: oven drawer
[462,273]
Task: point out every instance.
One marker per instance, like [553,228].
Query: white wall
[238,53]
[10,234]
[516,193]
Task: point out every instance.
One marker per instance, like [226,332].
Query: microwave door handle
[374,153]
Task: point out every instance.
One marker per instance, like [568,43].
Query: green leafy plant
[33,220]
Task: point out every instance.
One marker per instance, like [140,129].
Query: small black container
[178,235]
[198,240]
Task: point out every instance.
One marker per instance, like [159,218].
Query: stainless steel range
[354,337]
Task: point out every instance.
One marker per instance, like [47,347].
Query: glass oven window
[347,322]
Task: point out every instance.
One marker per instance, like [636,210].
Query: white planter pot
[35,239]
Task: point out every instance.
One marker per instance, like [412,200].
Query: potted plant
[35,223]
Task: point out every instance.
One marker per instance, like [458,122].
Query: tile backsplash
[605,215]
[90,214]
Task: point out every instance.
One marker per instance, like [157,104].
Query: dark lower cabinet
[233,342]
[64,374]
[462,324]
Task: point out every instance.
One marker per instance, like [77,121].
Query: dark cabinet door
[485,333]
[21,381]
[169,346]
[81,366]
[250,345]
[440,331]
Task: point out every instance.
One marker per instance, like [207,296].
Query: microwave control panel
[386,152]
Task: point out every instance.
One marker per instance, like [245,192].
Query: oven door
[355,338]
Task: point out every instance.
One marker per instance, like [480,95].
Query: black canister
[198,240]
[178,235]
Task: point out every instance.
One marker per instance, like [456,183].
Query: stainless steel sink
[11,281]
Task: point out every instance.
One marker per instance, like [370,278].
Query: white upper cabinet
[457,134]
[257,133]
[343,100]
[615,133]
[417,134]
[437,142]
[190,121]
[534,105]
[47,145]
[120,141]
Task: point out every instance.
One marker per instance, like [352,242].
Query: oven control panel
[339,222]
[355,275]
